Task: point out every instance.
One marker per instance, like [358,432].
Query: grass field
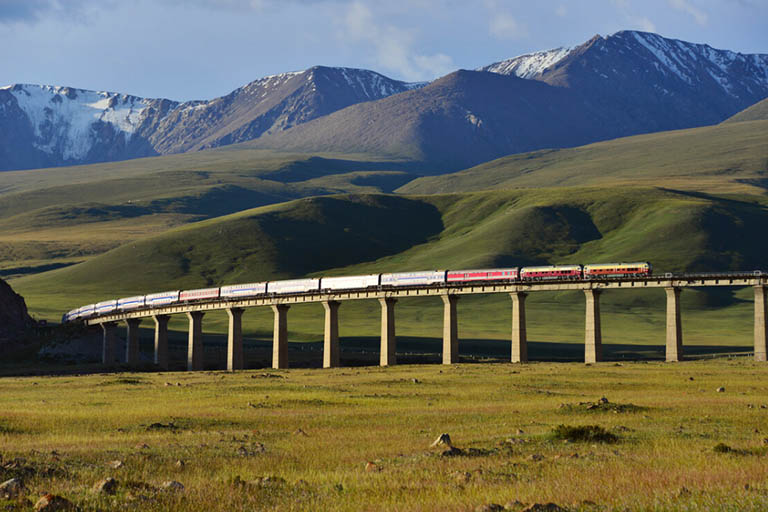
[313,432]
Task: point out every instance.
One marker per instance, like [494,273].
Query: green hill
[725,158]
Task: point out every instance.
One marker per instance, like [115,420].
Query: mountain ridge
[608,87]
[58,125]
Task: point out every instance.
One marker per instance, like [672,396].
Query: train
[366,282]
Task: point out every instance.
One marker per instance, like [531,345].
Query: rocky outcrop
[15,322]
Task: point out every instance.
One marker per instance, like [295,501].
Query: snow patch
[529,65]
[63,118]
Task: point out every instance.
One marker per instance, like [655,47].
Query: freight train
[366,282]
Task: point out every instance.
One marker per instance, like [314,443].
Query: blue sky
[200,49]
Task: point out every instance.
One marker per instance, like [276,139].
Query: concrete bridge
[449,293]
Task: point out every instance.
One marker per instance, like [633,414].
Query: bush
[584,434]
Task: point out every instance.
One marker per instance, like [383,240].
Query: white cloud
[561,11]
[687,7]
[505,26]
[393,46]
[644,24]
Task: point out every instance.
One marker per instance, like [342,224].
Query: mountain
[665,83]
[757,112]
[44,126]
[627,84]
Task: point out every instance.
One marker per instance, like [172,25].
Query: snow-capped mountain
[48,125]
[694,83]
[624,84]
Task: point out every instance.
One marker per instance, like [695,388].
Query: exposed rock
[721,389]
[514,504]
[106,486]
[11,488]
[180,463]
[14,320]
[53,503]
[442,440]
[115,464]
[172,485]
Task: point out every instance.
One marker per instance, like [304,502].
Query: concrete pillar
[593,337]
[108,345]
[674,327]
[519,334]
[450,330]
[195,343]
[760,332]
[132,341]
[235,339]
[387,355]
[280,336]
[331,334]
[161,340]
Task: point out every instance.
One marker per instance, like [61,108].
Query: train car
[162,298]
[350,282]
[130,303]
[293,286]
[553,272]
[421,278]
[488,274]
[107,306]
[606,270]
[70,315]
[86,311]
[199,294]
[244,290]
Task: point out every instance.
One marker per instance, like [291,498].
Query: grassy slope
[351,234]
[664,459]
[757,112]
[728,157]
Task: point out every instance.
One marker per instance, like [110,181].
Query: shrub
[584,434]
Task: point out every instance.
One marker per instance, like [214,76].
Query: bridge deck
[687,281]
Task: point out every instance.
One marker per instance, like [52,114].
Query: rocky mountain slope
[667,83]
[627,84]
[44,126]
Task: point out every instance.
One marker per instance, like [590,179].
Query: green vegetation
[583,434]
[349,438]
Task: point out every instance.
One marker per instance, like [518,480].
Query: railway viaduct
[450,294]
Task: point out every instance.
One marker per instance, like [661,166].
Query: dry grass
[230,429]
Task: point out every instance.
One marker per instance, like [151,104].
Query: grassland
[315,431]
